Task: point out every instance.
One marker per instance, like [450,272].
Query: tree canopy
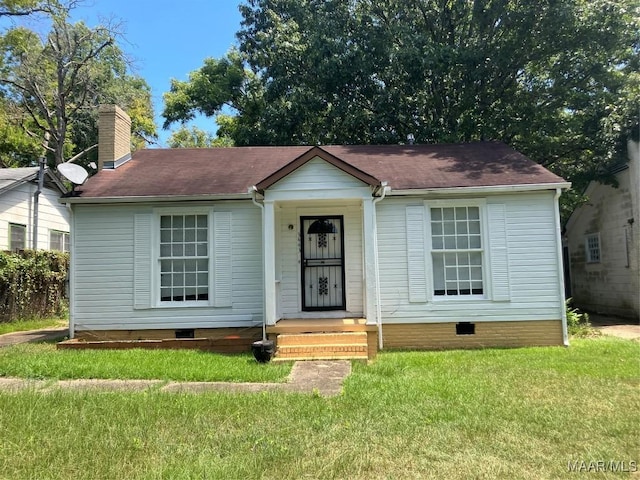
[55,83]
[557,80]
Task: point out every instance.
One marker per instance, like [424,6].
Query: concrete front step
[322,346]
[343,338]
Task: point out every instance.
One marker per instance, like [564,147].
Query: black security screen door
[322,263]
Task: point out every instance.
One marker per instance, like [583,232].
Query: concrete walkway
[43,335]
[322,377]
[615,326]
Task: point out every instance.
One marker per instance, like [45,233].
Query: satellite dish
[74,173]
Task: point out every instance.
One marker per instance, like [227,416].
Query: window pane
[450,243]
[190,221]
[190,279]
[190,250]
[438,274]
[165,250]
[165,221]
[461,213]
[449,228]
[202,235]
[178,236]
[448,214]
[165,236]
[474,213]
[436,228]
[437,243]
[463,242]
[474,241]
[177,222]
[177,250]
[436,214]
[202,221]
[190,235]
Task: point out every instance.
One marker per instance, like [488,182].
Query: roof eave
[489,189]
[154,198]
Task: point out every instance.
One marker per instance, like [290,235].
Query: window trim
[63,233]
[156,299]
[485,250]
[13,225]
[589,259]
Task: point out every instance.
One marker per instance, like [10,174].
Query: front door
[322,263]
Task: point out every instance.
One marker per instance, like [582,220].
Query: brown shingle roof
[227,171]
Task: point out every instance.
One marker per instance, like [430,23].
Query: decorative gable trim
[309,155]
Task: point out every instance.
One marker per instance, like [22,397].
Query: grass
[513,414]
[32,324]
[43,360]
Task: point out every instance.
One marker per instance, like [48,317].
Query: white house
[17,207]
[418,246]
[603,238]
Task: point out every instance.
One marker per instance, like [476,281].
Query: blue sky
[168,39]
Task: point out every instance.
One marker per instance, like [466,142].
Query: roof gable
[316,152]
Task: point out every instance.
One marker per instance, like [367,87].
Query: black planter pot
[263,350]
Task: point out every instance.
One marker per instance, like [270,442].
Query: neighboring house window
[184,258]
[17,236]
[457,251]
[58,240]
[593,248]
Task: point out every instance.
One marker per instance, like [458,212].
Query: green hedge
[32,284]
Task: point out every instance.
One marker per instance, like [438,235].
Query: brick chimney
[114,137]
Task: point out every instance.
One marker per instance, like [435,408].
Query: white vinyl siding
[520,248]
[316,174]
[116,248]
[16,206]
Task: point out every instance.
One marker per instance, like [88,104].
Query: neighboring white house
[418,246]
[17,189]
[603,238]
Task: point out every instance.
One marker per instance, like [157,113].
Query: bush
[32,284]
[577,322]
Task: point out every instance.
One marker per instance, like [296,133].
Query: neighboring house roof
[13,177]
[232,171]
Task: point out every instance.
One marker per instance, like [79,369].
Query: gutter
[253,191]
[556,215]
[71,273]
[376,263]
[483,190]
[155,198]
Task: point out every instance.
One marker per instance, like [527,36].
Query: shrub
[577,322]
[32,284]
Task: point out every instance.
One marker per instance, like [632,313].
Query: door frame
[343,300]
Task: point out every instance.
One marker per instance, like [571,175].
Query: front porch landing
[324,339]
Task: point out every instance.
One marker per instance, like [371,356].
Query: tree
[195,137]
[557,80]
[21,8]
[60,80]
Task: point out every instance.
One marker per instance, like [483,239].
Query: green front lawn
[496,413]
[43,360]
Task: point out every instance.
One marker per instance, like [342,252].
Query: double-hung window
[58,240]
[184,258]
[592,247]
[457,251]
[17,236]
